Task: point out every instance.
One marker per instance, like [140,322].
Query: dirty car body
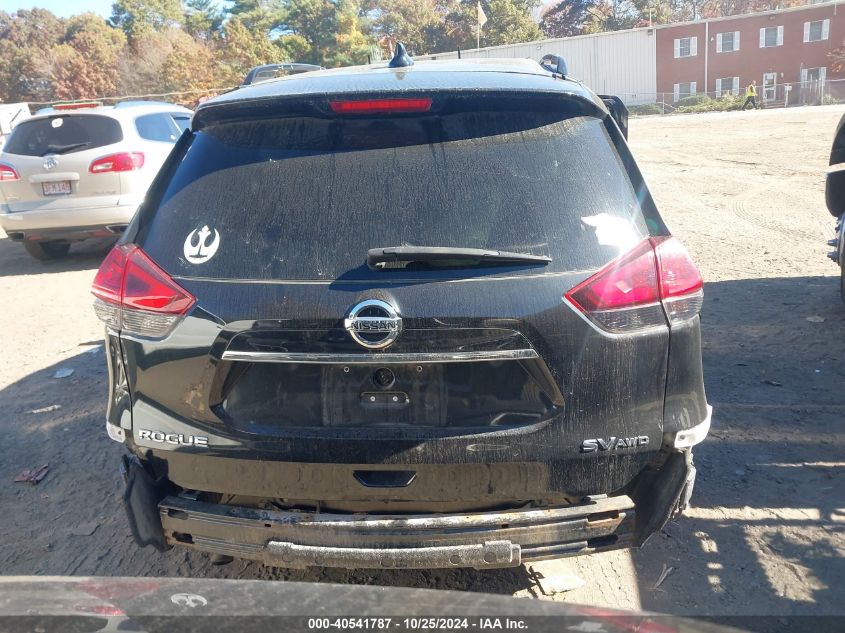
[415,317]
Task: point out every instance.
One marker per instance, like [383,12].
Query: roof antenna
[401,59]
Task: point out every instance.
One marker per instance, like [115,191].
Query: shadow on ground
[767,530]
[766,534]
[85,255]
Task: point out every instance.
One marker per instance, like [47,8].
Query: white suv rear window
[63,134]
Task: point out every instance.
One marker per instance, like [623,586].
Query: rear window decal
[197,248]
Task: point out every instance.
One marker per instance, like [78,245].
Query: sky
[66,8]
[63,8]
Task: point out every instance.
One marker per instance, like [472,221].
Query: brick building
[785,51]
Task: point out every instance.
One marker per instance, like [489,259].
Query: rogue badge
[177,439]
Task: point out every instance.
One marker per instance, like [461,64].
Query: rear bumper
[480,540]
[57,222]
[298,539]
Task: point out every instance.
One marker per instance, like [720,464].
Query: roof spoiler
[618,112]
[554,64]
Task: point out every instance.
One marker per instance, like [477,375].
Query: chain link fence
[783,95]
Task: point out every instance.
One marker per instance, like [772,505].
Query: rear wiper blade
[380,258]
[62,149]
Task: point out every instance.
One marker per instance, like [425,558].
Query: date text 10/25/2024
[417,623]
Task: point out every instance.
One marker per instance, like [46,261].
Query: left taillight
[124,161]
[641,289]
[135,296]
[7,172]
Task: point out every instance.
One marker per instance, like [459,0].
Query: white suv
[80,171]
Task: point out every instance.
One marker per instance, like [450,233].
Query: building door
[812,84]
[769,86]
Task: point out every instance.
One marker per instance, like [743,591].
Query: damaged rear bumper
[163,516]
[480,539]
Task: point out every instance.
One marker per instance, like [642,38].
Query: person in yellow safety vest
[750,95]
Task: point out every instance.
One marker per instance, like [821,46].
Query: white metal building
[618,62]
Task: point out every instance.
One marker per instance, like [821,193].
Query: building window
[816,31]
[727,42]
[686,89]
[727,85]
[686,47]
[771,36]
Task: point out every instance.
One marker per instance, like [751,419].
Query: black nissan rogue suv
[403,315]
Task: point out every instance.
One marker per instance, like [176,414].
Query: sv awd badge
[613,443]
[177,439]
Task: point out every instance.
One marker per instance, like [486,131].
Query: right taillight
[681,285]
[653,281]
[7,172]
[136,296]
[124,161]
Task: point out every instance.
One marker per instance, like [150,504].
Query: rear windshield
[306,198]
[63,135]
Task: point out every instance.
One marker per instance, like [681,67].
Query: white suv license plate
[61,188]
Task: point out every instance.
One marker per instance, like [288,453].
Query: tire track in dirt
[739,207]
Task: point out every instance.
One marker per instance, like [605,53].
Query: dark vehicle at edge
[396,317]
[267,72]
[835,198]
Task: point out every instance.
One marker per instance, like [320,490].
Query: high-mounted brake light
[653,281]
[7,172]
[125,161]
[136,296]
[379,106]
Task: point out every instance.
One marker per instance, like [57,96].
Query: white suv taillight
[136,296]
[7,172]
[653,281]
[125,161]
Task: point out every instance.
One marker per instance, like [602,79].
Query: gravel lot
[767,533]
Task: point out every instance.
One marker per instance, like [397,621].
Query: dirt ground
[766,535]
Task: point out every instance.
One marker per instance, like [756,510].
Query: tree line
[197,47]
